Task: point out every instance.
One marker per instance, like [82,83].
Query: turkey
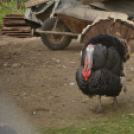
[102,63]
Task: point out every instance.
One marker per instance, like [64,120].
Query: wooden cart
[63,24]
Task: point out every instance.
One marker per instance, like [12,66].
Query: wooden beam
[17,28]
[23,35]
[8,32]
[14,22]
[58,33]
[14,16]
[34,3]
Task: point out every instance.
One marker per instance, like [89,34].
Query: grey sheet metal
[89,14]
[70,3]
[123,6]
[40,13]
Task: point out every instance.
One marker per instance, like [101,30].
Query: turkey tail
[119,28]
[99,26]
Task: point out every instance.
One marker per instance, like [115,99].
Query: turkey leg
[115,100]
[99,110]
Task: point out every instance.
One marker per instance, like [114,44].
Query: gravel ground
[41,84]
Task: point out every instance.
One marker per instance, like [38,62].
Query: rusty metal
[75,25]
[13,22]
[78,18]
[14,16]
[34,3]
[58,33]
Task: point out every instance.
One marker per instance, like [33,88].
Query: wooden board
[13,22]
[8,32]
[17,28]
[34,3]
[14,25]
[14,16]
[19,34]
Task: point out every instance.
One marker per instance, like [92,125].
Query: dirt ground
[42,84]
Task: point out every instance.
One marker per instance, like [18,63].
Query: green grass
[116,125]
[4,11]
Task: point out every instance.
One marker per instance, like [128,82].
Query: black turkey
[106,50]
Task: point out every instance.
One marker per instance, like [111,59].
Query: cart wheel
[53,41]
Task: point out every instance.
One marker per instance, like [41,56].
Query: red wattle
[86,74]
[88,61]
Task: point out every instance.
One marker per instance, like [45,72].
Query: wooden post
[17,4]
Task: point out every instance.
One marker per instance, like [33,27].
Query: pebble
[34,113]
[71,84]
[5,64]
[92,108]
[23,94]
[15,65]
[50,97]
[84,100]
[58,61]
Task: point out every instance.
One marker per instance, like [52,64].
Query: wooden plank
[14,16]
[14,22]
[17,28]
[19,34]
[91,1]
[8,32]
[34,3]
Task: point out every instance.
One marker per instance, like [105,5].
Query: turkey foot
[99,110]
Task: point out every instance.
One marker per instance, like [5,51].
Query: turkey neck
[88,62]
